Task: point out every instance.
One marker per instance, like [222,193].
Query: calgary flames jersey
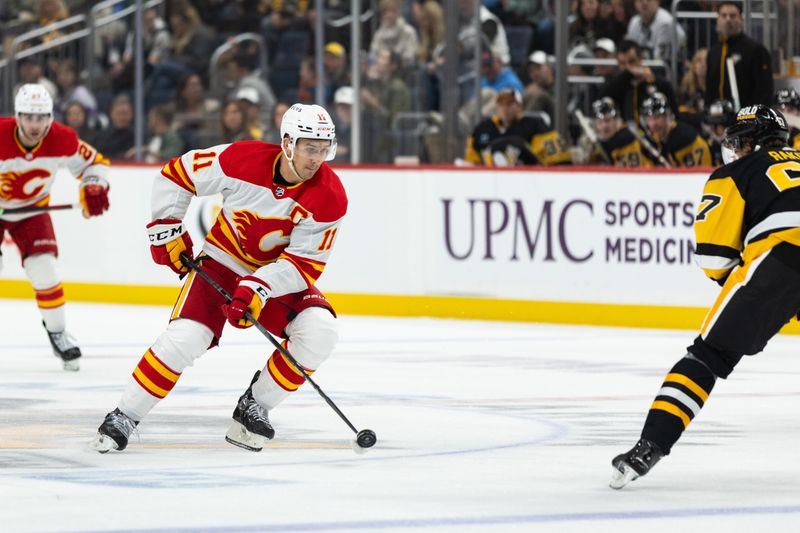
[283,234]
[748,207]
[27,175]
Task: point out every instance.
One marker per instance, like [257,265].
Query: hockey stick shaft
[648,146]
[190,263]
[731,66]
[591,134]
[37,208]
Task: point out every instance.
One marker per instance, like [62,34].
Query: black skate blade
[242,445]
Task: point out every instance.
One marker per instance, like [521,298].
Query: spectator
[534,13]
[273,135]
[492,30]
[30,71]
[395,34]
[192,107]
[652,29]
[71,91]
[50,12]
[336,72]
[692,92]
[117,141]
[77,117]
[429,18]
[718,116]
[248,97]
[307,82]
[588,25]
[343,102]
[156,45]
[233,124]
[240,72]
[787,101]
[604,48]
[622,12]
[495,76]
[510,137]
[752,62]
[616,28]
[284,15]
[192,43]
[619,145]
[538,95]
[634,83]
[164,143]
[678,142]
[384,96]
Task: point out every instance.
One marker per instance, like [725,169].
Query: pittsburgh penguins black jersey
[685,147]
[538,140]
[625,150]
[748,207]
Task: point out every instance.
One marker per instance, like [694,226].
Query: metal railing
[18,49]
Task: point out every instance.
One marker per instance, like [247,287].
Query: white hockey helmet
[302,121]
[33,98]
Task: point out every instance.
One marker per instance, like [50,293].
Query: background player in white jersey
[32,148]
[281,210]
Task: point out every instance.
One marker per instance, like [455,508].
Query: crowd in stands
[624,108]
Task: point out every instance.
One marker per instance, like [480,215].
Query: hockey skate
[250,428]
[113,433]
[65,348]
[635,463]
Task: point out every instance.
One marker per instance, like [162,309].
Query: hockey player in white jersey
[32,148]
[281,211]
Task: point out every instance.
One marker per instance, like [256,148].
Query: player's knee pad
[720,362]
[182,343]
[41,271]
[312,336]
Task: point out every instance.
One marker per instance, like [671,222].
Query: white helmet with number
[33,98]
[303,121]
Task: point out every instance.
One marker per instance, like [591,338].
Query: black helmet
[657,104]
[604,107]
[758,124]
[720,112]
[787,98]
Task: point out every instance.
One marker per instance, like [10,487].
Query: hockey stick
[648,146]
[591,134]
[37,208]
[365,438]
[733,83]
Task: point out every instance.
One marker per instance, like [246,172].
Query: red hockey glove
[250,295]
[94,196]
[168,240]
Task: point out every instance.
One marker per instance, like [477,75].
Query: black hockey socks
[682,395]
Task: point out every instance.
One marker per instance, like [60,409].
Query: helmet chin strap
[290,160]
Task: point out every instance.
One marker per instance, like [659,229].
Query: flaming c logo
[22,185]
[263,239]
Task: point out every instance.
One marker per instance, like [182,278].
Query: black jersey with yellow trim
[794,138]
[748,207]
[543,142]
[625,150]
[685,147]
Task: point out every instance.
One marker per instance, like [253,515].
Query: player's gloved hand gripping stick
[365,438]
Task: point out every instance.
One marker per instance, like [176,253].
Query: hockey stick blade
[37,209]
[361,440]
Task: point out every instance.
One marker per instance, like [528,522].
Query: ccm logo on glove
[168,240]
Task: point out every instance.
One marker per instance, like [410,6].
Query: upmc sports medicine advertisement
[566,235]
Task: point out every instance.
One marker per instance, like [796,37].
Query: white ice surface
[482,427]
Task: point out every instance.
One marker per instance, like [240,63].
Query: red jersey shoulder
[8,146]
[324,195]
[60,141]
[250,161]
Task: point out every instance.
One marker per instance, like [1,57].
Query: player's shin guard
[43,275]
[681,397]
[312,336]
[162,364]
